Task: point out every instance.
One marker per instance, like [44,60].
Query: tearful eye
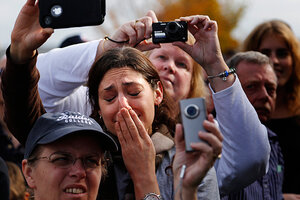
[134,94]
[109,99]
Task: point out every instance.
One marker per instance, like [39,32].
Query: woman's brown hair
[282,29]
[133,58]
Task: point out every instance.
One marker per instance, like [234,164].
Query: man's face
[259,83]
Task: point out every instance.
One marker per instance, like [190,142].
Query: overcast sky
[258,11]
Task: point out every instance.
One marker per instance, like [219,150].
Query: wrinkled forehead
[168,48]
[121,76]
[252,71]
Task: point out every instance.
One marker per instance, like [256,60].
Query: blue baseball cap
[52,126]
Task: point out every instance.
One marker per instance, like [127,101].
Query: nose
[123,102]
[274,58]
[263,94]
[170,66]
[77,169]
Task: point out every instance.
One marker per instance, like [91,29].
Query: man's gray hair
[248,56]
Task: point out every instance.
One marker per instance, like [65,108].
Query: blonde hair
[197,85]
[282,29]
[197,88]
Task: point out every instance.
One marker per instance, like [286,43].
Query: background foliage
[226,12]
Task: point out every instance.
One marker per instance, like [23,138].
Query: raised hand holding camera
[71,13]
[165,32]
[27,34]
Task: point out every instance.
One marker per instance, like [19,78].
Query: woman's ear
[27,172]
[159,94]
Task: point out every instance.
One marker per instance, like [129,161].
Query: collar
[162,140]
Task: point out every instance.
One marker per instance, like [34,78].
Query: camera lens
[173,30]
[172,27]
[56,11]
[47,20]
[191,111]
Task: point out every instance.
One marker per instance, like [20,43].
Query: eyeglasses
[66,160]
[280,53]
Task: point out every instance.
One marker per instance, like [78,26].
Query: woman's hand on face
[27,34]
[137,148]
[206,50]
[198,162]
[138,152]
[136,33]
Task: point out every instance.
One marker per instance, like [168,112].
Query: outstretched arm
[64,71]
[19,79]
[27,34]
[206,50]
[246,148]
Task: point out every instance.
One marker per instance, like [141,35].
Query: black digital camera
[164,32]
[71,13]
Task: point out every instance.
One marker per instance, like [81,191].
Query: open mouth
[74,190]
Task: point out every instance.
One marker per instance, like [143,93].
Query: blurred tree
[119,12]
[227,14]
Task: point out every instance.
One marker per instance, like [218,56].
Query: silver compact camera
[193,113]
[165,32]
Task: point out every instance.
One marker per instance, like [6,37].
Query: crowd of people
[101,119]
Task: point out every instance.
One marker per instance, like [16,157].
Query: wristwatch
[152,196]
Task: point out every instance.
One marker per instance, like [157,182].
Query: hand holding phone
[193,113]
[71,13]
